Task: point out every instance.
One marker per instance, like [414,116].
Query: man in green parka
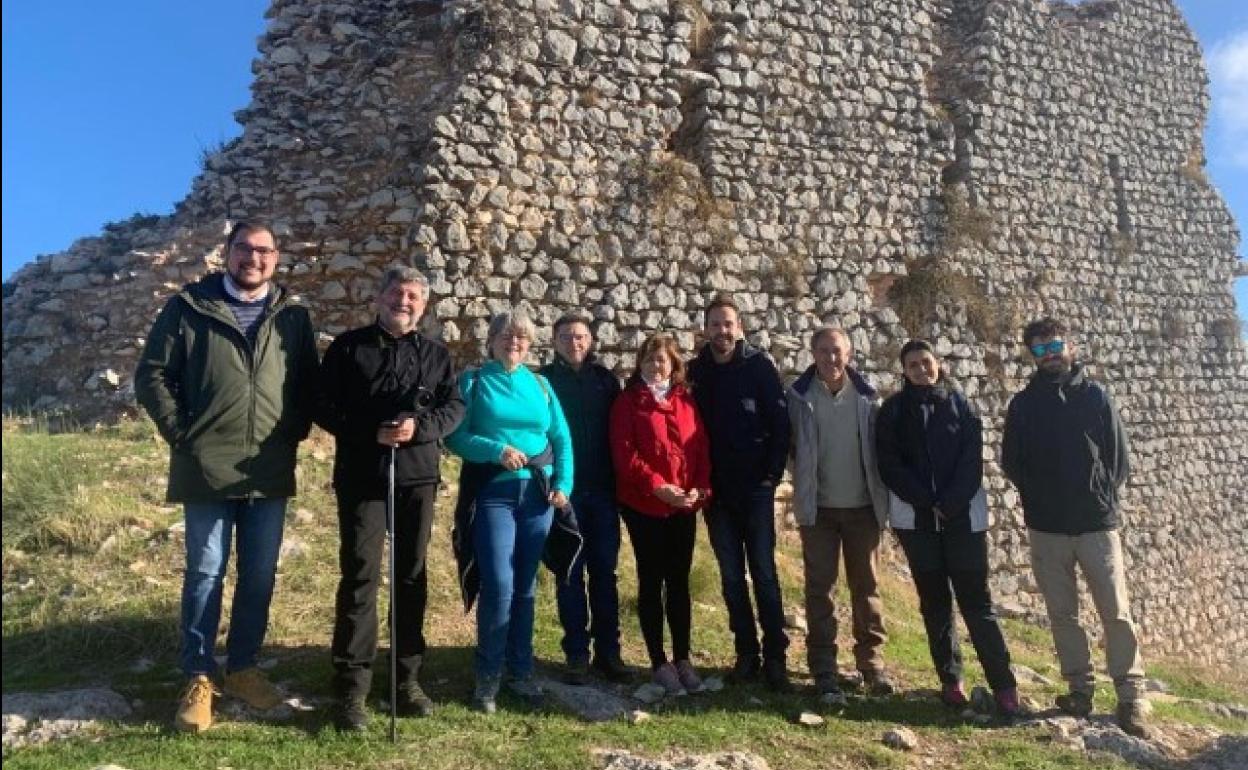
[227,374]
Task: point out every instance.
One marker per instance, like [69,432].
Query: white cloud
[1228,73]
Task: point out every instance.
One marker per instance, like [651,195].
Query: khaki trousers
[1099,557]
[856,532]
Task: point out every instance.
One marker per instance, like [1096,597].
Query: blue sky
[107,107]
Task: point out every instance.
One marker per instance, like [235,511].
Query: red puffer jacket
[655,443]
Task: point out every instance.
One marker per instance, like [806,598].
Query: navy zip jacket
[1066,450]
[932,461]
[586,397]
[742,404]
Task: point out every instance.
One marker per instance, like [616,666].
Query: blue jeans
[743,534]
[598,613]
[509,533]
[209,527]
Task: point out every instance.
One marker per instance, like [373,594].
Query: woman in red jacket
[663,475]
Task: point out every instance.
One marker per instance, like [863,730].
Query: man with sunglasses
[1066,450]
[228,375]
[385,388]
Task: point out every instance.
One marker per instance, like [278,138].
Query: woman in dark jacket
[929,445]
[663,475]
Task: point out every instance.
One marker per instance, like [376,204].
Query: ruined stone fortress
[945,168]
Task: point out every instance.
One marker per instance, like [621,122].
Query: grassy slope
[91,576]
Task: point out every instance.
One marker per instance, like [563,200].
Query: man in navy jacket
[741,401]
[1065,449]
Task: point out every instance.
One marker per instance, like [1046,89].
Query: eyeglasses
[243,249]
[1052,347]
[570,337]
[513,336]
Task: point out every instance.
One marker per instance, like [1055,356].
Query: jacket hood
[802,384]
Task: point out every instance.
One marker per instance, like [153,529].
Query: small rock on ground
[810,719]
[618,759]
[34,718]
[588,702]
[901,738]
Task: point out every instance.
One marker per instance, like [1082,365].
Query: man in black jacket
[741,401]
[586,390]
[385,385]
[1065,449]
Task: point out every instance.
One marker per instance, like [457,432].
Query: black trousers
[948,564]
[362,528]
[664,551]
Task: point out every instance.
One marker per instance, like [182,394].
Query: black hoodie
[1066,450]
[743,406]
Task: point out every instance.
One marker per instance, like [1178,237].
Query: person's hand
[392,433]
[693,497]
[512,459]
[670,494]
[557,499]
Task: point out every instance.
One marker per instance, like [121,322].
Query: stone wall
[899,167]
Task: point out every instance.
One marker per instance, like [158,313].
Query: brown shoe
[195,706]
[253,688]
[1133,719]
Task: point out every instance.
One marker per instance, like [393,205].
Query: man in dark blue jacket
[741,401]
[586,391]
[1065,449]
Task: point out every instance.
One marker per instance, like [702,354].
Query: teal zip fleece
[518,409]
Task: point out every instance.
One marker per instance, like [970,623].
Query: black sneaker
[612,668]
[351,715]
[576,673]
[776,675]
[413,702]
[829,690]
[744,670]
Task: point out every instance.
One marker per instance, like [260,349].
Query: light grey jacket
[804,451]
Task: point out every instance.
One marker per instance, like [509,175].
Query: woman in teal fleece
[513,428]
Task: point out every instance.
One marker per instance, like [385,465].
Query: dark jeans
[743,534]
[594,614]
[664,551]
[957,559]
[362,527]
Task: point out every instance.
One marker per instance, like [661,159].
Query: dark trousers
[856,533]
[594,614]
[362,528]
[948,564]
[664,551]
[742,527]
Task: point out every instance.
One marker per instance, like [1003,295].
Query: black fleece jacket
[368,377]
[1066,450]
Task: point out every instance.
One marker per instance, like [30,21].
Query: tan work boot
[253,688]
[195,706]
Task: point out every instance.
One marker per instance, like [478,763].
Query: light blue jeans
[509,534]
[209,528]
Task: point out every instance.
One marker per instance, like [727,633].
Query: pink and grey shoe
[1007,702]
[667,677]
[688,676]
[953,696]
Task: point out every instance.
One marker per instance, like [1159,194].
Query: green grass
[92,571]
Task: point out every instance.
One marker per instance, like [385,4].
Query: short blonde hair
[516,321]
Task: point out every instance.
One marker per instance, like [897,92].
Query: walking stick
[394,614]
